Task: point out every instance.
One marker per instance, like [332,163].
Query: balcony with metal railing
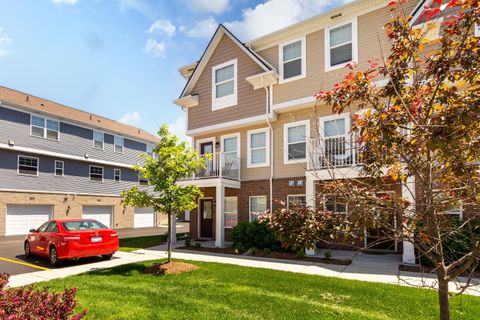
[219,165]
[331,153]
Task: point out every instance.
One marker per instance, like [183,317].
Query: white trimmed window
[118,144]
[44,128]
[477,30]
[456,212]
[299,200]
[149,150]
[27,166]
[335,140]
[231,212]
[142,180]
[59,168]
[295,141]
[341,45]
[231,151]
[224,85]
[96,173]
[98,139]
[258,148]
[292,60]
[336,204]
[117,175]
[257,206]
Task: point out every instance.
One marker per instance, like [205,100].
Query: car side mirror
[32,230]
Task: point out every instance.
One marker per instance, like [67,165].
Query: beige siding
[250,102]
[370,30]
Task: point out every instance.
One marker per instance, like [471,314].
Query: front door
[206,216]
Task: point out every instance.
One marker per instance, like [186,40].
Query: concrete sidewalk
[365,267]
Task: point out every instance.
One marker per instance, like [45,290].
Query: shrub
[28,303]
[197,245]
[254,234]
[188,242]
[328,254]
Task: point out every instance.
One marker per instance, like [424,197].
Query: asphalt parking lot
[13,260]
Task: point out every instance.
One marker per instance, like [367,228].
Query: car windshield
[83,225]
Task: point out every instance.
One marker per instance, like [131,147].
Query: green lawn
[132,244]
[220,291]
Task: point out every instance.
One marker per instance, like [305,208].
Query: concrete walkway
[365,267]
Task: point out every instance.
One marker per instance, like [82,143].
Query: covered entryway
[21,218]
[206,216]
[104,214]
[143,217]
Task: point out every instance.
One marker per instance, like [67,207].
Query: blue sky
[120,58]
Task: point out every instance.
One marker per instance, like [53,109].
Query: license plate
[96,239]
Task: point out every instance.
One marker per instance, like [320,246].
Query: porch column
[310,192]
[408,193]
[174,228]
[219,216]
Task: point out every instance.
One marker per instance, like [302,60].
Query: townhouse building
[60,162]
[251,107]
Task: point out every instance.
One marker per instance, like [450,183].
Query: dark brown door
[206,215]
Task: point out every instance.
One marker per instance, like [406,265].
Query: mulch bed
[173,267]
[271,254]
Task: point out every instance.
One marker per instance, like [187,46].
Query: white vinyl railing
[219,165]
[333,152]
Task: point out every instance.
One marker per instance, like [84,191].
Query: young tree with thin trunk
[422,126]
[172,161]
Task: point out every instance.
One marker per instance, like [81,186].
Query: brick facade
[70,206]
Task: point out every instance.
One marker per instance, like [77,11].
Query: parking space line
[23,263]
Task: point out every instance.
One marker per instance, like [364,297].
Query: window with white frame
[477,30]
[44,128]
[257,206]
[231,151]
[336,204]
[118,144]
[98,139]
[149,150]
[295,141]
[224,85]
[334,133]
[231,212]
[142,180]
[258,148]
[59,167]
[117,175]
[296,200]
[292,59]
[27,166]
[96,173]
[341,45]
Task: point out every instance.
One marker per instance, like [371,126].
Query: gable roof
[214,41]
[31,103]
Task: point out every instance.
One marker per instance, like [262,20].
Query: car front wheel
[26,248]
[53,257]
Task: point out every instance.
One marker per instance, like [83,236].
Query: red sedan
[71,239]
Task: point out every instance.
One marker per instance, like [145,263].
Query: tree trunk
[443,298]
[169,237]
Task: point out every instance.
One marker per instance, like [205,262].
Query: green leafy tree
[172,161]
[423,124]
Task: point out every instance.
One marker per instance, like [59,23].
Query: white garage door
[20,219]
[99,213]
[143,218]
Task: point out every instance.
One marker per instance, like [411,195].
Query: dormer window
[292,60]
[341,45]
[224,85]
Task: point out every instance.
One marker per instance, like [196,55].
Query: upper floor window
[149,150]
[258,148]
[295,141]
[98,139]
[44,128]
[335,140]
[59,168]
[293,60]
[27,166]
[142,180]
[257,206]
[477,30]
[224,85]
[118,144]
[231,151]
[96,173]
[341,45]
[117,175]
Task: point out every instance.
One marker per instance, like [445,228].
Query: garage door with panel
[99,213]
[144,218]
[21,218]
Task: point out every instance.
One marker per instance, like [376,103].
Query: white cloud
[5,44]
[72,2]
[178,129]
[155,48]
[209,6]
[276,14]
[131,118]
[162,26]
[204,28]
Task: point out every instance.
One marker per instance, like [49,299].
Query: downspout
[267,113]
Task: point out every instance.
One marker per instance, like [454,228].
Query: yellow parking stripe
[23,263]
